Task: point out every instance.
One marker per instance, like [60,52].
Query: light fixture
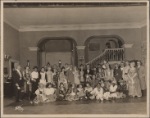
[7,57]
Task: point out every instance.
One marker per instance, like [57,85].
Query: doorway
[53,49]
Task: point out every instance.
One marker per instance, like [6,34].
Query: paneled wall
[17,43]
[54,57]
[11,43]
[31,38]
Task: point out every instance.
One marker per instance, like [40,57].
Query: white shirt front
[49,76]
[34,75]
[97,91]
[42,75]
[113,88]
[19,73]
[88,89]
[49,91]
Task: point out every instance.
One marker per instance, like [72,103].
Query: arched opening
[53,49]
[95,45]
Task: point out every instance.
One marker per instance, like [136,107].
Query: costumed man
[69,75]
[88,73]
[18,82]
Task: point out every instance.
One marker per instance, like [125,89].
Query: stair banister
[111,54]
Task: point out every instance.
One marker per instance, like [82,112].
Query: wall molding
[128,45]
[11,24]
[80,47]
[33,48]
[60,27]
[82,27]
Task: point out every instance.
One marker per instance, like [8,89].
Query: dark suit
[18,82]
[87,72]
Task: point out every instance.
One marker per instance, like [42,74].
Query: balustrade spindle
[115,54]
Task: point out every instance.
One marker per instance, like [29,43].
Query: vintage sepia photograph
[74,58]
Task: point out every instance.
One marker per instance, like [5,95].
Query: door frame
[10,69]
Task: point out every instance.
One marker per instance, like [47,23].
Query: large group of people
[103,82]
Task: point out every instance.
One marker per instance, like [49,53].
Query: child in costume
[71,93]
[50,93]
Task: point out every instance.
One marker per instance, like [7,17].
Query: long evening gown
[49,76]
[76,77]
[62,79]
[109,75]
[141,75]
[134,85]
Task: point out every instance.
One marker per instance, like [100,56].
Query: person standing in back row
[141,75]
[18,82]
[69,75]
[34,81]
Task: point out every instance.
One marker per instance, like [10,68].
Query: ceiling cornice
[76,26]
[11,24]
[82,27]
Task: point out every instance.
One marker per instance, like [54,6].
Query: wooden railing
[114,54]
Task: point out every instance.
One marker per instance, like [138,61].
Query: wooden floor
[119,106]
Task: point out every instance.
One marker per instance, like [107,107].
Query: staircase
[113,55]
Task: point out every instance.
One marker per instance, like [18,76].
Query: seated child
[50,93]
[98,92]
[106,86]
[113,90]
[71,93]
[80,92]
[40,95]
[61,92]
[122,89]
[88,90]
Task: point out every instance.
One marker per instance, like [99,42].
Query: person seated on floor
[113,90]
[122,92]
[106,86]
[98,92]
[71,93]
[88,90]
[61,92]
[40,94]
[50,92]
[80,92]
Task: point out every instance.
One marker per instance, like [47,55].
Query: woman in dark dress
[142,78]
[117,73]
[55,78]
[81,75]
